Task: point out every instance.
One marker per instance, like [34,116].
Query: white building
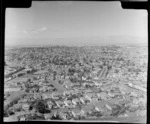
[25,106]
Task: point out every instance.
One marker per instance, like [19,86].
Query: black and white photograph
[75,61]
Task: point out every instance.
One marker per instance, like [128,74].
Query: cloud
[34,31]
[25,31]
[42,29]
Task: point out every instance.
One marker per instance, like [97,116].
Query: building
[22,118]
[45,96]
[100,108]
[108,107]
[84,78]
[103,95]
[47,116]
[84,100]
[50,104]
[89,96]
[133,94]
[37,96]
[67,92]
[77,112]
[123,115]
[60,103]
[88,91]
[95,99]
[88,109]
[68,102]
[76,101]
[17,107]
[25,106]
[64,115]
[56,95]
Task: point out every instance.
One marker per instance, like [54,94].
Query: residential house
[140,88]
[88,109]
[45,96]
[130,84]
[141,112]
[143,100]
[56,95]
[84,100]
[97,84]
[37,96]
[103,95]
[88,91]
[108,107]
[97,108]
[89,96]
[60,104]
[84,78]
[133,94]
[47,116]
[49,96]
[76,101]
[77,112]
[17,107]
[50,88]
[22,118]
[64,115]
[50,104]
[95,78]
[40,83]
[136,101]
[31,99]
[25,106]
[100,107]
[67,92]
[111,94]
[123,115]
[24,100]
[68,102]
[84,84]
[67,86]
[95,99]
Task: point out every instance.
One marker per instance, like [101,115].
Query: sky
[73,23]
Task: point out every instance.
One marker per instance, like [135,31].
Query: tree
[6,114]
[40,107]
[119,109]
[71,71]
[10,112]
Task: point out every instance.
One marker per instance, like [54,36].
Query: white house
[50,104]
[44,96]
[68,102]
[25,106]
[22,118]
[76,112]
[76,101]
[108,107]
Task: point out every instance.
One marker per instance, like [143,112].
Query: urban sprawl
[75,83]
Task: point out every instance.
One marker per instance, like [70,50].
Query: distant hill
[80,41]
